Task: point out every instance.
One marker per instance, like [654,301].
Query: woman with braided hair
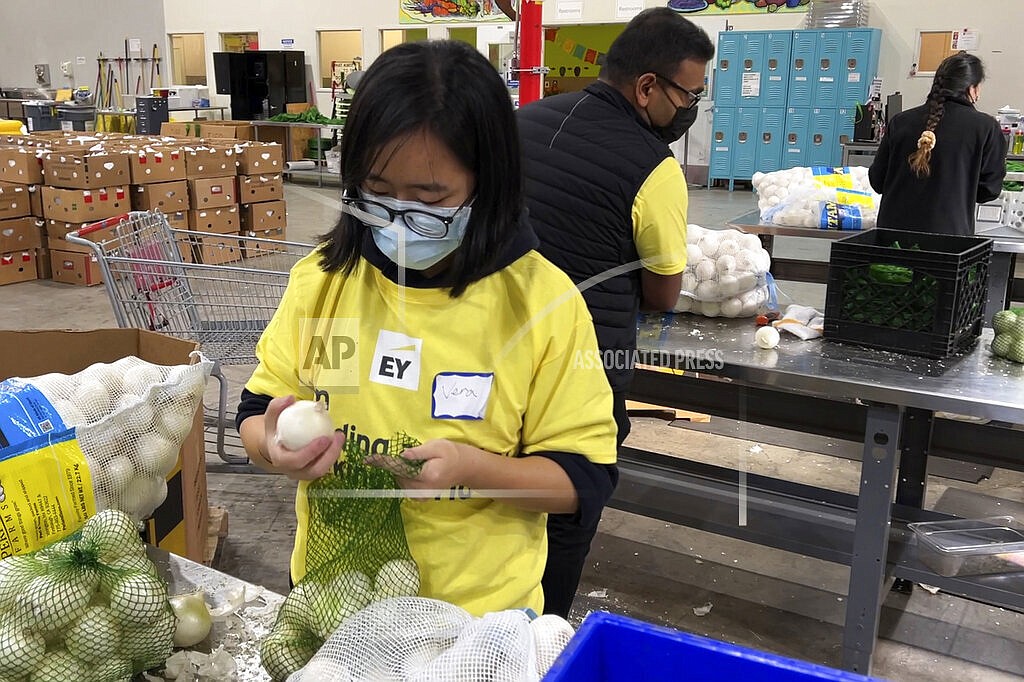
[938,160]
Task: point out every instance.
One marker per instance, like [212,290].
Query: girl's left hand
[444,464]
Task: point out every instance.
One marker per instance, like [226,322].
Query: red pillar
[531,43]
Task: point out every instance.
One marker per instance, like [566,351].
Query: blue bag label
[835,216]
[25,413]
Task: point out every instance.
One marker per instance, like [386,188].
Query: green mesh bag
[90,607]
[356,554]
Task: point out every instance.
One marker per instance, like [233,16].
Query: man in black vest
[607,199]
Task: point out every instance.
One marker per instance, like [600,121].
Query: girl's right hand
[306,464]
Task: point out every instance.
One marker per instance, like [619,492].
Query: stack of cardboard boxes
[231,189]
[82,185]
[22,248]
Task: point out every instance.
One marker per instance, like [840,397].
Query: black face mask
[680,123]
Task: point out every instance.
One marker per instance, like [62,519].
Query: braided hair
[954,77]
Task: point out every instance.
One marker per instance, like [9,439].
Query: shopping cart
[224,307]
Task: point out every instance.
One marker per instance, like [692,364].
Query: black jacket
[968,166]
[587,154]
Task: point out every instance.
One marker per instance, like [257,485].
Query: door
[775,77]
[727,71]
[821,143]
[769,143]
[794,149]
[829,68]
[745,140]
[860,65]
[721,142]
[801,68]
[752,68]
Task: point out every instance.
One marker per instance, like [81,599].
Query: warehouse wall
[53,31]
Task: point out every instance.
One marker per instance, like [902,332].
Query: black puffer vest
[586,156]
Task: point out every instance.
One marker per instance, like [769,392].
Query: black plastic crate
[908,292]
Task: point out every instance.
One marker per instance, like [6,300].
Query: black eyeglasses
[421,222]
[694,97]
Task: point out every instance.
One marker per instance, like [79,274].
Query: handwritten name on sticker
[461,395]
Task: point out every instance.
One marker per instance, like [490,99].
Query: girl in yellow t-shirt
[427,311]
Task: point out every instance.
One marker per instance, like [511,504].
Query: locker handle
[766,137]
[773,64]
[742,137]
[798,64]
[818,138]
[792,138]
[748,64]
[719,136]
[826,64]
[851,64]
[723,65]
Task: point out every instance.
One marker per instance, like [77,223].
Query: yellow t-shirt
[498,368]
[659,219]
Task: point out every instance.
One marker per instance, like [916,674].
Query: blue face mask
[413,235]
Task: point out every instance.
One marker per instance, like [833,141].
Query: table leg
[871,536]
[767,242]
[916,436]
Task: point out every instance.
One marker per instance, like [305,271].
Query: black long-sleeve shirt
[967,167]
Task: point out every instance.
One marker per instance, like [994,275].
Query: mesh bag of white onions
[412,639]
[90,607]
[103,438]
[726,274]
[356,554]
[819,197]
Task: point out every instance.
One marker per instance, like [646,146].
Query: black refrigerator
[260,82]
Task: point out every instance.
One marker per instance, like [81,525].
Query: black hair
[954,77]
[657,40]
[449,89]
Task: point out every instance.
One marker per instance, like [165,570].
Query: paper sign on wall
[287,43]
[627,9]
[569,9]
[964,39]
[751,85]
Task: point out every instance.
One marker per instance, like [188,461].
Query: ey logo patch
[329,353]
[396,360]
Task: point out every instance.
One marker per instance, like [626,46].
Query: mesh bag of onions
[125,421]
[726,274]
[356,554]
[90,607]
[819,197]
[412,639]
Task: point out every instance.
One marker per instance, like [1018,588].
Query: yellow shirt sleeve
[659,219]
[569,408]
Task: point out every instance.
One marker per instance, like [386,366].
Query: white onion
[767,337]
[728,285]
[93,399]
[689,281]
[707,291]
[731,307]
[684,303]
[708,244]
[301,423]
[710,308]
[726,263]
[693,253]
[193,621]
[706,270]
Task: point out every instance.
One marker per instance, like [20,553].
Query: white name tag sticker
[461,395]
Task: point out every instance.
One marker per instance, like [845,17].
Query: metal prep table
[288,127]
[886,401]
[1003,287]
[240,635]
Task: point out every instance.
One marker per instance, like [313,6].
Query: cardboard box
[14,201]
[20,234]
[35,200]
[260,159]
[252,248]
[158,165]
[80,168]
[168,197]
[20,165]
[265,215]
[210,162]
[179,130]
[43,269]
[75,267]
[56,236]
[17,266]
[254,188]
[179,525]
[57,229]
[212,192]
[300,138]
[177,220]
[227,130]
[218,250]
[85,205]
[219,220]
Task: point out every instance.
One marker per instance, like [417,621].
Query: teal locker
[794,143]
[844,131]
[744,155]
[775,72]
[821,142]
[727,71]
[801,68]
[829,68]
[752,69]
[860,65]
[722,126]
[771,127]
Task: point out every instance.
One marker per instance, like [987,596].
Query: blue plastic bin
[611,648]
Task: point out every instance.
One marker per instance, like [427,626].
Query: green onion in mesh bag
[90,607]
[356,554]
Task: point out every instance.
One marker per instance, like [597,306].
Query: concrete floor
[658,572]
